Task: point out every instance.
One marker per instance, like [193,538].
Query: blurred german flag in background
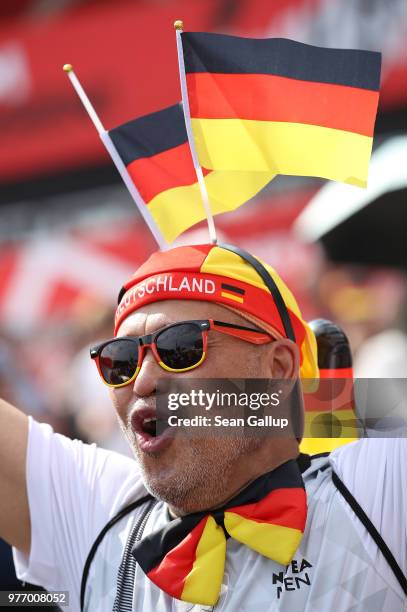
[155,150]
[281,106]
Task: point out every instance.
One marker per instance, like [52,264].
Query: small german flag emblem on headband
[236,294]
[156,153]
[281,106]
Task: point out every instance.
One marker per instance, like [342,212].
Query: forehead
[156,315]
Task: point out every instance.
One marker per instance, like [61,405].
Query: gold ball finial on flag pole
[179,24]
[67,68]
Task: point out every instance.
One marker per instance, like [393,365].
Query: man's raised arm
[14,512]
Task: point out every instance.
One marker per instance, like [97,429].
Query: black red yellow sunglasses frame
[248,334]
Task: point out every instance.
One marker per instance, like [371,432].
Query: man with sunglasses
[234,522]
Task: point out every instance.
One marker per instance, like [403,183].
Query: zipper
[125,577]
[144,519]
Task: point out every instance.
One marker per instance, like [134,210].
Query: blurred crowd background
[70,234]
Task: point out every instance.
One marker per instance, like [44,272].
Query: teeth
[150,420]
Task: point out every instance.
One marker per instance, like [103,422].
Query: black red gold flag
[154,148]
[281,106]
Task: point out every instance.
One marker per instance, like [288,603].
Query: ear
[284,366]
[283,359]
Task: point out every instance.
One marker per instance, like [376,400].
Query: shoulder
[378,460]
[374,470]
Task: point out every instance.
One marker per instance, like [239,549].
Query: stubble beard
[200,474]
[200,477]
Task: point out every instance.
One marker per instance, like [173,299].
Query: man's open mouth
[153,426]
[153,433]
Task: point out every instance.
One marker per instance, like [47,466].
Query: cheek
[242,361]
[121,399]
[224,362]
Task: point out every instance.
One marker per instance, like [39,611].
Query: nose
[146,380]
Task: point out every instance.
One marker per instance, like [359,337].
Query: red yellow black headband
[205,287]
[215,274]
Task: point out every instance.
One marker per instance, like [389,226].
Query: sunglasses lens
[118,361]
[180,346]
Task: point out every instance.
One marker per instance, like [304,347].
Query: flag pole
[179,25]
[117,160]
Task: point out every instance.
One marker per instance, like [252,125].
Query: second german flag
[281,106]
[154,148]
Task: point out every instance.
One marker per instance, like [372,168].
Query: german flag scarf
[186,558]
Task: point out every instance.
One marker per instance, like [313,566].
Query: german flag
[233,293]
[281,106]
[330,418]
[155,151]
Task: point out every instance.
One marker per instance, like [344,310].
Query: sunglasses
[176,348]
